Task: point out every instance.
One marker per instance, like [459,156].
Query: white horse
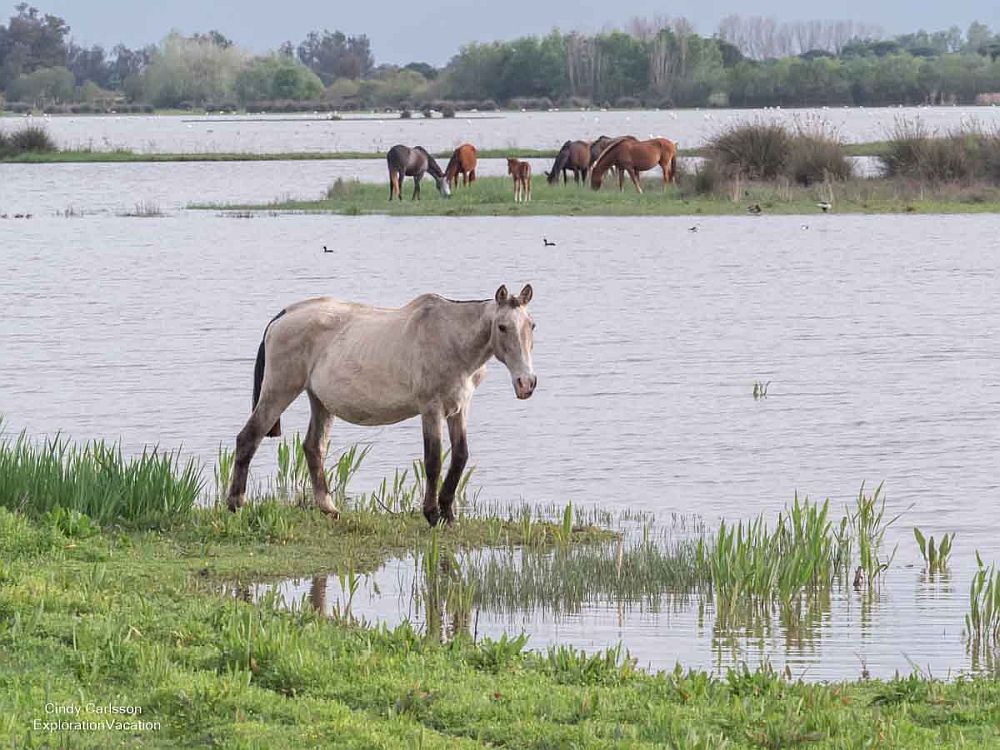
[376,366]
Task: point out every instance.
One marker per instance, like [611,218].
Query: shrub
[29,138]
[756,150]
[968,153]
[405,114]
[816,155]
[448,111]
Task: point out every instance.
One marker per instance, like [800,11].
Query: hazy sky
[432,30]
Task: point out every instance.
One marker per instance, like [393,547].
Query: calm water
[880,336]
[278,133]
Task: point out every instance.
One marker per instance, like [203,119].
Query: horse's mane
[600,165]
[432,166]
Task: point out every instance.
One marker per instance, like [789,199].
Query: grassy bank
[493,196]
[137,613]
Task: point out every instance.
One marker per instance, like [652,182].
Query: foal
[521,172]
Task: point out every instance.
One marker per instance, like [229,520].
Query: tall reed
[97,480]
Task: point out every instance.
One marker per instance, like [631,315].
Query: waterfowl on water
[326,250]
[546,243]
[824,205]
[754,209]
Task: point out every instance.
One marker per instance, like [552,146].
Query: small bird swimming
[825,205]
[326,249]
[693,229]
[546,243]
[754,209]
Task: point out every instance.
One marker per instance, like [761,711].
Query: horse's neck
[477,319]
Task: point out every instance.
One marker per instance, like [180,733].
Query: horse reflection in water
[447,605]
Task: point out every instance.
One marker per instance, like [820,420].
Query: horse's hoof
[236,502]
[433,516]
[331,511]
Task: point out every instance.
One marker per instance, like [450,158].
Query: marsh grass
[966,154]
[811,152]
[26,140]
[143,210]
[153,489]
[982,623]
[935,556]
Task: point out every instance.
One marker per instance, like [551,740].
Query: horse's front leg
[635,179]
[416,188]
[459,457]
[432,465]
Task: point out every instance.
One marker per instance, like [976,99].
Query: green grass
[493,196]
[104,613]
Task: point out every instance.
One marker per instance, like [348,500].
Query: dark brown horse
[573,156]
[463,162]
[597,147]
[629,155]
[413,162]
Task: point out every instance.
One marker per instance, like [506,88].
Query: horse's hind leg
[416,188]
[459,457]
[635,179]
[317,439]
[432,466]
[269,409]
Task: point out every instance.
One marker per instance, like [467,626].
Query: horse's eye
[532,326]
[503,328]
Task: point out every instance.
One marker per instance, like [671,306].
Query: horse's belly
[370,415]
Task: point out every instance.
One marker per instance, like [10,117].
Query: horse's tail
[258,377]
[673,166]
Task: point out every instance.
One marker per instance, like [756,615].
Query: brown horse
[573,156]
[463,162]
[521,172]
[630,155]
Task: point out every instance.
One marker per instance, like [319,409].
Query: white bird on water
[824,205]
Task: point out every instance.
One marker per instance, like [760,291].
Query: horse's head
[443,186]
[511,165]
[513,338]
[596,178]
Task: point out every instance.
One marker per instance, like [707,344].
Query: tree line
[658,62]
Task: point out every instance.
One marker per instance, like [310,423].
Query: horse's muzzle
[525,386]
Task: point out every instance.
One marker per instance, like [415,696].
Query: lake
[880,336]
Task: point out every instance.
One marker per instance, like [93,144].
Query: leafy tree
[188,69]
[43,86]
[333,55]
[31,41]
[277,77]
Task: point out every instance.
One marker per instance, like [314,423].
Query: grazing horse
[463,162]
[378,366]
[521,172]
[413,162]
[630,155]
[573,156]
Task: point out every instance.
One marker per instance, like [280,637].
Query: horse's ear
[502,294]
[526,294]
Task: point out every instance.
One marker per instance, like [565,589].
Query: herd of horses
[624,155]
